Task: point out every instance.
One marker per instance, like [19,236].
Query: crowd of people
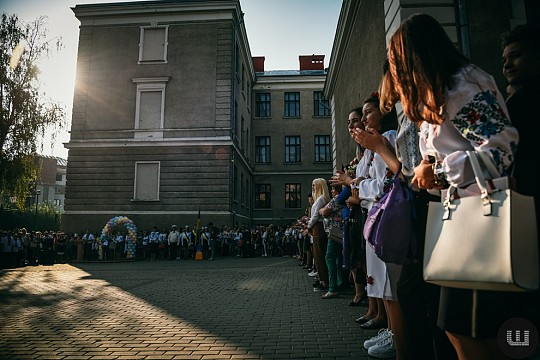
[22,248]
[450,106]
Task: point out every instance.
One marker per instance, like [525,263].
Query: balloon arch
[131,239]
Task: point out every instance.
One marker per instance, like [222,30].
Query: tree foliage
[26,112]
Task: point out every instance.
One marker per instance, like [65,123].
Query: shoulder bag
[388,227]
[336,234]
[485,242]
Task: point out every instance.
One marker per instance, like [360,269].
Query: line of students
[449,106]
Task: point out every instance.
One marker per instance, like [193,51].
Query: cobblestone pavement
[231,308]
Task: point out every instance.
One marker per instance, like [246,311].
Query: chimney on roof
[258,63]
[311,62]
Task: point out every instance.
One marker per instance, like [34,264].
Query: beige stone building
[165,125]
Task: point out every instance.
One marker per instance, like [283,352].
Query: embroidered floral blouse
[376,173]
[475,118]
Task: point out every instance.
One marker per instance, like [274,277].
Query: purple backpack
[388,227]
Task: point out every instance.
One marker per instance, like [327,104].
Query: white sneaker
[313,273]
[384,349]
[382,334]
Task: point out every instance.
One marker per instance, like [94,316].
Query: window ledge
[152,62]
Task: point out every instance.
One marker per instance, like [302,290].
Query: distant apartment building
[172,118]
[292,135]
[50,181]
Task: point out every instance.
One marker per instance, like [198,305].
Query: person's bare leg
[469,348]
[381,311]
[396,323]
[358,288]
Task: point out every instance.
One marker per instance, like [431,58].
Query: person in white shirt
[88,239]
[173,240]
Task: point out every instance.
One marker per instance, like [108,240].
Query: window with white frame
[146,181]
[150,103]
[153,44]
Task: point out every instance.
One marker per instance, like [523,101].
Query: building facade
[292,135]
[365,27]
[164,129]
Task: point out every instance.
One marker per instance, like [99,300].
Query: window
[235,183]
[153,44]
[146,181]
[59,177]
[292,196]
[150,103]
[322,148]
[321,106]
[242,132]
[241,188]
[262,149]
[262,196]
[262,105]
[237,62]
[244,80]
[292,149]
[292,104]
[247,191]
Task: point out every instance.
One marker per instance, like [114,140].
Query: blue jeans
[334,260]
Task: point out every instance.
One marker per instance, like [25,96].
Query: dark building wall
[488,20]
[359,72]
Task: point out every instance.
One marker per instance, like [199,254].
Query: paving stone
[231,308]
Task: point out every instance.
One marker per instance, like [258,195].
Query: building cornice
[167,142]
[154,12]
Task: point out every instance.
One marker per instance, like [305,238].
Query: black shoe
[374,325]
[362,319]
[363,298]
[320,288]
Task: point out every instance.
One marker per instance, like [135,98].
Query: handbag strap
[488,163]
[480,180]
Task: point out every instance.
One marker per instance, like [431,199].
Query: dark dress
[493,307]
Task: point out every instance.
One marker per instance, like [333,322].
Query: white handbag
[484,242]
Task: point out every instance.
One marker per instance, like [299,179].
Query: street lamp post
[35,214]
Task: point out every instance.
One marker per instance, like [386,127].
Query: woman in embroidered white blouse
[459,108]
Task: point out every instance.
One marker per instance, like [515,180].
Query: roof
[292,73]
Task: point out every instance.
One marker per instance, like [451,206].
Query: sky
[279,30]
